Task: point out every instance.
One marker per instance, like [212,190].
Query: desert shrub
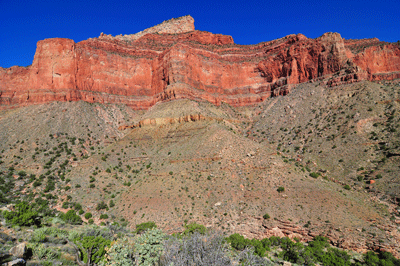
[22,173]
[334,256]
[71,217]
[57,220]
[239,242]
[103,216]
[280,189]
[111,204]
[38,251]
[258,246]
[42,253]
[382,258]
[90,249]
[3,199]
[149,247]
[193,227]
[50,186]
[39,235]
[77,206]
[101,206]
[247,258]
[266,216]
[196,249]
[140,228]
[290,250]
[23,216]
[88,215]
[347,187]
[120,253]
[274,241]
[315,175]
[55,232]
[37,183]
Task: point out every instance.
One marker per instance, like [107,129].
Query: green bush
[77,206]
[382,258]
[315,175]
[88,215]
[101,206]
[280,189]
[193,227]
[103,216]
[238,241]
[37,183]
[334,256]
[140,228]
[23,216]
[290,251]
[91,248]
[266,216]
[71,217]
[22,173]
[3,199]
[50,186]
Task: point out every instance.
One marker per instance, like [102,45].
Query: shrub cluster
[194,246]
[23,216]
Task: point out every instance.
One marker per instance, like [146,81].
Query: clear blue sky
[24,22]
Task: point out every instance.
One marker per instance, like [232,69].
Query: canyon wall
[173,60]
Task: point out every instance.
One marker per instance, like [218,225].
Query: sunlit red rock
[172,61]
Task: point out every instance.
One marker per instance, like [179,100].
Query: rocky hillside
[319,161]
[173,60]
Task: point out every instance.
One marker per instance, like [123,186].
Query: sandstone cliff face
[173,60]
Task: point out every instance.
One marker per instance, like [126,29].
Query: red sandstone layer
[172,60]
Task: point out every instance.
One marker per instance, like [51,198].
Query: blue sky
[24,22]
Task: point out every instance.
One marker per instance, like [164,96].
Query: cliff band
[173,60]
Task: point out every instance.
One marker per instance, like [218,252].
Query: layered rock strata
[173,60]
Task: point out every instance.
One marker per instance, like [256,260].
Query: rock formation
[173,60]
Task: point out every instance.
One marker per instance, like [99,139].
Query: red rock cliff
[172,60]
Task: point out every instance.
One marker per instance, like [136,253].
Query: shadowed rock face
[173,61]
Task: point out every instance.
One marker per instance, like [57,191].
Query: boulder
[19,251]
